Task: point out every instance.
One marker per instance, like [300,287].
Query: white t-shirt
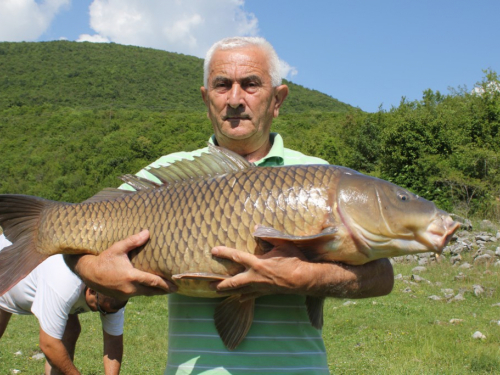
[51,292]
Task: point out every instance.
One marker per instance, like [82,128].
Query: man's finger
[134,241]
[235,255]
[156,283]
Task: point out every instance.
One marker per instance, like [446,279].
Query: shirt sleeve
[58,289]
[51,310]
[4,242]
[112,324]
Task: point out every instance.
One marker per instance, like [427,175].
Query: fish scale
[211,221]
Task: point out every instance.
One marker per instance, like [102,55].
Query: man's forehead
[241,62]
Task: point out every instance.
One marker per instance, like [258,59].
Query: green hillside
[94,75]
[75,116]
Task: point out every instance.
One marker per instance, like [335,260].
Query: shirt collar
[276,155]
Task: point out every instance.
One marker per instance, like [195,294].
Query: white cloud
[27,20]
[185,26]
[92,38]
[287,71]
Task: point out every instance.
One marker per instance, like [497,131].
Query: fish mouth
[439,232]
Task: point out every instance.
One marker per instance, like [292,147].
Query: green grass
[403,333]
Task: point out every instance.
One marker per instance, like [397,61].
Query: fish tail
[19,217]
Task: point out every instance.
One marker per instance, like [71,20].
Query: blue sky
[364,53]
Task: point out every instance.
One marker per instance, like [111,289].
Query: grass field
[403,333]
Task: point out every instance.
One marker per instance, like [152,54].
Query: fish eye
[403,197]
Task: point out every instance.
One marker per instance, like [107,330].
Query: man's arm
[57,355]
[284,270]
[111,272]
[113,353]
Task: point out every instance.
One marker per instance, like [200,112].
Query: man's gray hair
[239,42]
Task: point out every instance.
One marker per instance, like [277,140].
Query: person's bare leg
[4,321]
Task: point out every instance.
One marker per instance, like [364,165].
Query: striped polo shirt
[281,339]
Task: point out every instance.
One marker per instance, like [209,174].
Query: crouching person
[56,296]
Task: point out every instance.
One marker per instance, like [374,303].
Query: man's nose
[235,96]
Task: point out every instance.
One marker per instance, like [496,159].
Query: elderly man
[56,296]
[243,93]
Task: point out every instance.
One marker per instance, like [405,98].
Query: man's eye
[251,86]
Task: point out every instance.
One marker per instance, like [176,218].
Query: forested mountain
[75,116]
[105,75]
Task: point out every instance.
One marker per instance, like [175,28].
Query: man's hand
[112,274]
[285,270]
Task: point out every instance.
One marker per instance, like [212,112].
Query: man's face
[240,99]
[97,303]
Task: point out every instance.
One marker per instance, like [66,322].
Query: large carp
[331,213]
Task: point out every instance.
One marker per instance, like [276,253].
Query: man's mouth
[235,117]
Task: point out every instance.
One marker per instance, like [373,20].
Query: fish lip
[439,232]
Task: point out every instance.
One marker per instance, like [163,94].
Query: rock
[447,290]
[38,356]
[18,353]
[459,247]
[496,305]
[348,303]
[478,336]
[14,371]
[411,258]
[456,321]
[497,252]
[482,238]
[459,297]
[460,276]
[465,266]
[407,290]
[482,259]
[398,277]
[456,259]
[435,298]
[423,261]
[477,289]
[419,269]
[417,278]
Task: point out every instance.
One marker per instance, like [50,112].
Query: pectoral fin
[276,237]
[199,276]
[233,319]
[315,310]
[312,246]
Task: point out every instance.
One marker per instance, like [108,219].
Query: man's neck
[248,151]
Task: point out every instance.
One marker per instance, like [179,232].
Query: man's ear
[280,94]
[204,95]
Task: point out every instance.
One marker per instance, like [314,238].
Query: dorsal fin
[217,161]
[108,194]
